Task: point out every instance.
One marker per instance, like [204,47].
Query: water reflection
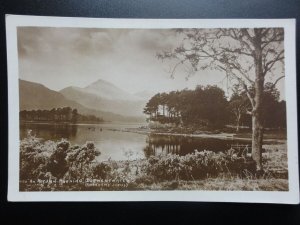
[115,144]
[49,131]
[181,145]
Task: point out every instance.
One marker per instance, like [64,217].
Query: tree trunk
[257,124]
[237,127]
[257,140]
[238,123]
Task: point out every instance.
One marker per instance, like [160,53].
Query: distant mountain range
[106,90]
[104,95]
[101,99]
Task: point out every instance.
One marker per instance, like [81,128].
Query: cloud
[61,57]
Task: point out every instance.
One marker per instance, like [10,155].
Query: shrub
[198,165]
[145,179]
[102,171]
[43,160]
[57,165]
[79,160]
[34,157]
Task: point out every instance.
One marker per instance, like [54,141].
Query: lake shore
[62,122]
[205,134]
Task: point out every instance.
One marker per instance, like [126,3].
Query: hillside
[107,90]
[37,96]
[104,95]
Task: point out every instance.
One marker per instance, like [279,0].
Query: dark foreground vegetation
[65,114]
[56,166]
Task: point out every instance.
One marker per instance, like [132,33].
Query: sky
[62,57]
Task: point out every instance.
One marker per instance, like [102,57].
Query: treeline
[65,114]
[273,112]
[209,107]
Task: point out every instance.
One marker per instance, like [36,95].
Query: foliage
[79,159]
[65,114]
[198,165]
[42,160]
[273,113]
[204,106]
[102,171]
[208,107]
[57,165]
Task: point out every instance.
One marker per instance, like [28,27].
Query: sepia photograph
[139,109]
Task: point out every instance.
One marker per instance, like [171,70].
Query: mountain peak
[107,90]
[100,82]
[69,88]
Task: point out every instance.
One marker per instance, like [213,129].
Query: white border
[290,197]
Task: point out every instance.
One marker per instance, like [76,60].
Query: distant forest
[209,107]
[65,114]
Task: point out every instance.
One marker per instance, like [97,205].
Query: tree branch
[248,112]
[276,37]
[240,39]
[251,99]
[266,30]
[268,66]
[246,33]
[276,81]
[238,51]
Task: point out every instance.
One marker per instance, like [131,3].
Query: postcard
[152,110]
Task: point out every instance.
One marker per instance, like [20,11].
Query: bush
[102,171]
[80,160]
[198,165]
[44,160]
[145,179]
[35,157]
[57,165]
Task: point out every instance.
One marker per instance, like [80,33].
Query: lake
[120,145]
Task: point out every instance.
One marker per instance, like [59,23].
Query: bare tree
[238,105]
[246,56]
